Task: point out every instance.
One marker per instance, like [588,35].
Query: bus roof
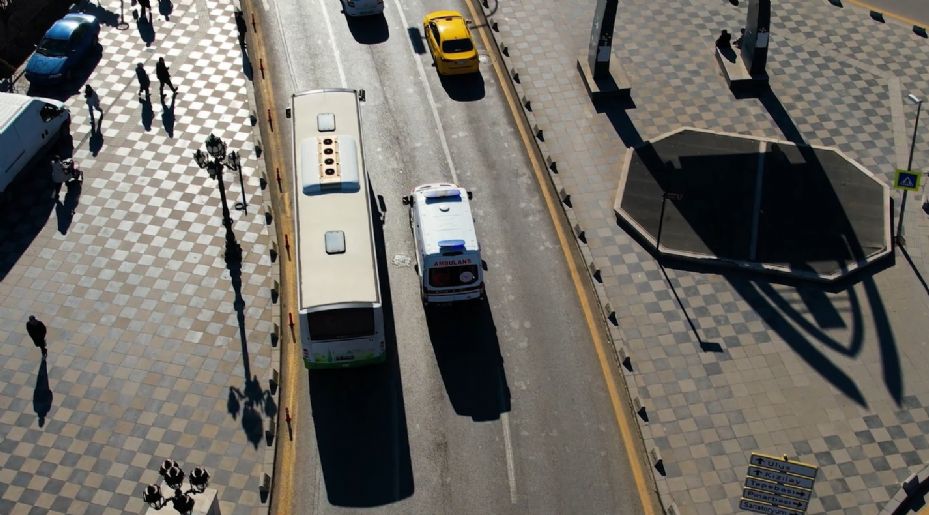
[335,248]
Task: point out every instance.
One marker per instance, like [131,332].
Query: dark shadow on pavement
[145,28]
[360,419]
[247,65]
[25,210]
[165,8]
[104,15]
[464,339]
[96,136]
[615,111]
[148,114]
[416,40]
[167,115]
[368,30]
[65,210]
[42,395]
[464,88]
[254,404]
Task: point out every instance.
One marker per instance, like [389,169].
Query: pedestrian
[145,5]
[93,102]
[738,41]
[164,77]
[36,330]
[59,175]
[724,40]
[144,81]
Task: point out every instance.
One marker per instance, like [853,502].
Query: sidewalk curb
[266,477]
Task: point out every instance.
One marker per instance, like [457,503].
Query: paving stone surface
[156,348]
[731,363]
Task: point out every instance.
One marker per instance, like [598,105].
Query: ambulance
[448,256]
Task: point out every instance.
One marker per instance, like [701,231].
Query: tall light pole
[913,99]
[215,161]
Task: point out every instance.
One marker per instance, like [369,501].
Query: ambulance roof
[445,218]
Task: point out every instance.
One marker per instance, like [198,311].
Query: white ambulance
[448,256]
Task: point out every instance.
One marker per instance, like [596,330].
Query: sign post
[906,180]
[777,486]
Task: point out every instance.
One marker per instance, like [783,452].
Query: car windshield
[454,46]
[53,47]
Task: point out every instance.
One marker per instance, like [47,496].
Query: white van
[448,256]
[362,7]
[29,126]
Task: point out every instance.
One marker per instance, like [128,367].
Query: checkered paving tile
[147,359]
[729,363]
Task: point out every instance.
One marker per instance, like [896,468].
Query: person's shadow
[96,136]
[727,52]
[165,8]
[42,395]
[148,114]
[65,210]
[167,115]
[146,29]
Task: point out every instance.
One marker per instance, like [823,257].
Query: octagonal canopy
[754,203]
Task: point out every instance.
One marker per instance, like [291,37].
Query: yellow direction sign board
[777,486]
[908,180]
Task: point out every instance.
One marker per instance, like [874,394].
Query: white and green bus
[339,295]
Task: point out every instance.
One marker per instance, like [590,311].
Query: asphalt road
[915,10]
[500,408]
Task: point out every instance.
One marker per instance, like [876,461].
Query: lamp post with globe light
[181,500]
[215,161]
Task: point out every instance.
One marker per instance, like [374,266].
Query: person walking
[164,77]
[144,81]
[59,175]
[36,330]
[93,102]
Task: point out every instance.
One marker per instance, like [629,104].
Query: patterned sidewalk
[157,348]
[728,363]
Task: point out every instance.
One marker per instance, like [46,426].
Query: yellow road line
[593,320]
[283,478]
[888,14]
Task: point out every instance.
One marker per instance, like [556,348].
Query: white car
[362,7]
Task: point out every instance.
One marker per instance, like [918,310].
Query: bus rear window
[453,276]
[341,324]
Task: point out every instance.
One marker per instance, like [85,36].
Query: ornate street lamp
[174,478]
[215,161]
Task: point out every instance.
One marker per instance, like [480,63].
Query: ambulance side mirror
[484,265]
[406,200]
[470,195]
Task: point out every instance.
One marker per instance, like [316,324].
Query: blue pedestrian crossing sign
[907,180]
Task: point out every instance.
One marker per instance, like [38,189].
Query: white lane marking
[335,48]
[287,53]
[508,446]
[435,110]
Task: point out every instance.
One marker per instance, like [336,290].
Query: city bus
[339,295]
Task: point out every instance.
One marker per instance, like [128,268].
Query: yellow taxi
[450,43]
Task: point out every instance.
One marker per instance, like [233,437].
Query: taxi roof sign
[908,180]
